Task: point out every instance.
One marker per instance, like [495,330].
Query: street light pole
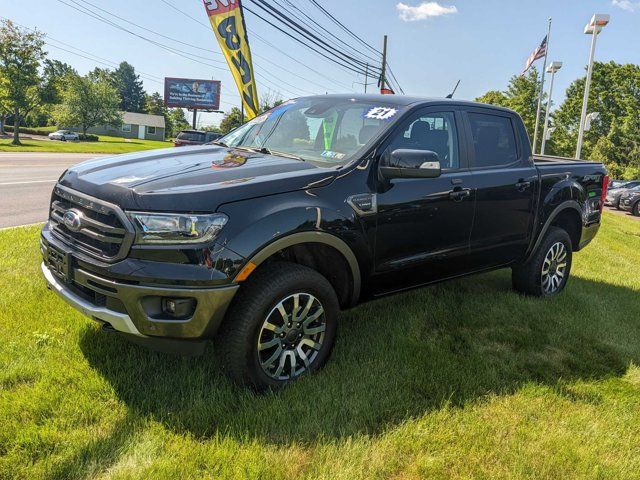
[553,68]
[595,26]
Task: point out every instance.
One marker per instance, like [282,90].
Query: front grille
[103,231]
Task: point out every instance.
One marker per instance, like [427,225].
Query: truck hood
[191,179]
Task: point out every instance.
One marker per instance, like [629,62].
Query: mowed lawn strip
[463,379]
[105,145]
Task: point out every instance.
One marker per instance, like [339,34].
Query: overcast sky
[431,44]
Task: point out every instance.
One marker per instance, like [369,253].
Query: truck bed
[542,160]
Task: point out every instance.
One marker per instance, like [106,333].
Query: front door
[141,130]
[423,225]
[506,182]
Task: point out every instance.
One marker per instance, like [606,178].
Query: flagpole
[544,68]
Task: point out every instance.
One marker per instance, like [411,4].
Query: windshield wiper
[268,151]
[217,142]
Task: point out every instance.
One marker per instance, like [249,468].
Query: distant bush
[32,130]
[88,138]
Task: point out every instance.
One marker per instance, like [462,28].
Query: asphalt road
[26,181]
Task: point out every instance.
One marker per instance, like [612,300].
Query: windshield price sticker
[381,113]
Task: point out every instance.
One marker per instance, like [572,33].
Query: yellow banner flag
[227,21]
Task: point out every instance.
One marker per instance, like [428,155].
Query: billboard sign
[192,93]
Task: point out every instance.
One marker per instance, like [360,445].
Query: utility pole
[195,118]
[383,75]
[366,77]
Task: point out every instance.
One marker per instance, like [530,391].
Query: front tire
[636,210]
[281,325]
[547,272]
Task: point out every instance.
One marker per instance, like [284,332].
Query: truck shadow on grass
[395,358]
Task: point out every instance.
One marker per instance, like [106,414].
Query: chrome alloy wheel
[554,268]
[291,336]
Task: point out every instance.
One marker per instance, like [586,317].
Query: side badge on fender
[364,203]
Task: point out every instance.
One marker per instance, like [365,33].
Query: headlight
[159,228]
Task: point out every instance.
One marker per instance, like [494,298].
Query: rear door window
[494,140]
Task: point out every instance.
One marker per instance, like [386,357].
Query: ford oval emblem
[72,219]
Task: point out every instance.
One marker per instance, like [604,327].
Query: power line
[191,45]
[274,47]
[313,24]
[339,23]
[190,56]
[334,60]
[310,36]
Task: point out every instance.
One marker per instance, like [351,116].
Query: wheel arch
[568,216]
[312,242]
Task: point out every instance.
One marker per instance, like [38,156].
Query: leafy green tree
[20,56]
[494,97]
[231,120]
[615,137]
[4,102]
[129,86]
[88,103]
[177,121]
[55,74]
[154,105]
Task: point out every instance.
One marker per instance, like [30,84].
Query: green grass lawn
[105,145]
[465,379]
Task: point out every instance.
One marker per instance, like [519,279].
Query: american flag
[537,54]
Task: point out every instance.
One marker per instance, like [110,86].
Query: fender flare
[568,204]
[315,237]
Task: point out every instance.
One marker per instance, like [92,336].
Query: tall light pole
[593,28]
[552,69]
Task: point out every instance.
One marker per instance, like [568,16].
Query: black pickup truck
[257,241]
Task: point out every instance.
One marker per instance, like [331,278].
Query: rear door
[505,180]
[423,224]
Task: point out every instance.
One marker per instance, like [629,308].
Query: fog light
[178,307]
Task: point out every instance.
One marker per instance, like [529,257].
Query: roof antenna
[454,90]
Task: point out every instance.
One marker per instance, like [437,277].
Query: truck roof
[407,100]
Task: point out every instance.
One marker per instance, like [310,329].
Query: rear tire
[281,325]
[547,271]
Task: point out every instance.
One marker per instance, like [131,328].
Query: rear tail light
[605,188]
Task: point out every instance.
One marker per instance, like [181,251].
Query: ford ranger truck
[258,240]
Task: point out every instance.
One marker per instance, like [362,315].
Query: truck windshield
[321,130]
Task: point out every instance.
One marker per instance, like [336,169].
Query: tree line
[39,91]
[614,138]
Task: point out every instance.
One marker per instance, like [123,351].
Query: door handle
[459,195]
[522,185]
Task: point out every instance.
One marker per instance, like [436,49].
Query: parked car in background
[614,194]
[630,201]
[64,135]
[195,137]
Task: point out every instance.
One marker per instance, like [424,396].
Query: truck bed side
[570,196]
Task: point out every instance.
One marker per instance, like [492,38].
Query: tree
[231,120]
[87,103]
[154,105]
[20,56]
[494,97]
[177,121]
[55,75]
[129,86]
[521,95]
[615,137]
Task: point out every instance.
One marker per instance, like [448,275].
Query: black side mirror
[406,163]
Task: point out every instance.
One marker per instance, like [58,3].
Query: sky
[431,44]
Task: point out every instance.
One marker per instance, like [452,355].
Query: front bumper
[135,309]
